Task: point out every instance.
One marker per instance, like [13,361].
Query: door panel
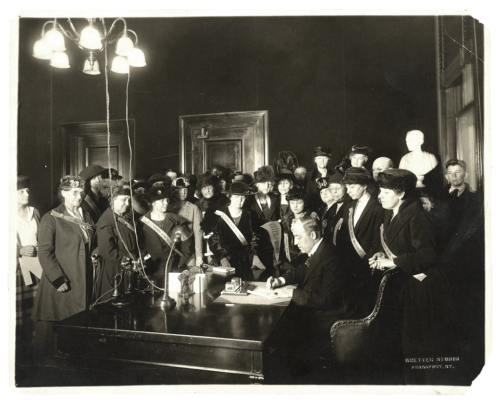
[87,144]
[238,140]
[224,153]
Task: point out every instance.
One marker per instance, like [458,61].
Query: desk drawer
[109,347]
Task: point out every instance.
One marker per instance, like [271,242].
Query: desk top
[195,321]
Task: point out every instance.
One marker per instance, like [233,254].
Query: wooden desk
[196,337]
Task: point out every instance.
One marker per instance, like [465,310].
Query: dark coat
[335,217]
[218,200]
[152,244]
[112,250]
[322,295]
[273,214]
[101,204]
[428,308]
[65,258]
[296,256]
[367,232]
[314,200]
[225,244]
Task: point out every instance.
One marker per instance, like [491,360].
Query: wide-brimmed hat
[158,193]
[159,180]
[138,183]
[397,179]
[322,151]
[263,174]
[70,182]
[239,188]
[91,171]
[355,175]
[23,182]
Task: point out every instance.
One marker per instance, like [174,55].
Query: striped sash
[337,227]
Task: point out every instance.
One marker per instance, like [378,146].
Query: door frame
[92,128]
[259,119]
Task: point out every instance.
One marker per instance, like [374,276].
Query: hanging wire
[109,136]
[461,45]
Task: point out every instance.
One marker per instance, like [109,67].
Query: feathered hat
[69,182]
[285,174]
[113,188]
[264,173]
[158,193]
[322,151]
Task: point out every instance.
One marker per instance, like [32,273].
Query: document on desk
[261,295]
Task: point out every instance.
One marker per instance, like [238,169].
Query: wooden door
[86,143]
[238,140]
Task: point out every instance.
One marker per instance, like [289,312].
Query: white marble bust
[417,161]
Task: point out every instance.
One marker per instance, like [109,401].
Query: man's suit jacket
[323,293]
[366,230]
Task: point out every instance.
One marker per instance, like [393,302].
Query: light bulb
[41,50]
[136,58]
[90,38]
[55,40]
[59,60]
[124,46]
[120,65]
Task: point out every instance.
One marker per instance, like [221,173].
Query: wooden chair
[371,345]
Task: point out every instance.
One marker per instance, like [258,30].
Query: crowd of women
[374,225]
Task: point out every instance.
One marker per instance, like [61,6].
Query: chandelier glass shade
[51,46]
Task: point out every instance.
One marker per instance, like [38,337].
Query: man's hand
[225,263]
[273,283]
[28,251]
[63,288]
[199,261]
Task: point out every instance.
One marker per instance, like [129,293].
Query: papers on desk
[223,270]
[270,294]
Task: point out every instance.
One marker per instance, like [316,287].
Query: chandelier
[51,46]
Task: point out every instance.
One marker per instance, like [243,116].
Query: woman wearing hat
[340,199]
[28,220]
[116,237]
[190,212]
[211,196]
[285,182]
[297,201]
[322,156]
[359,235]
[264,203]
[139,205]
[156,230]
[235,232]
[65,242]
[356,157]
[408,243]
[325,212]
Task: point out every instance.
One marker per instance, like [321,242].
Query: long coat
[225,244]
[158,249]
[323,293]
[112,250]
[335,217]
[428,307]
[65,258]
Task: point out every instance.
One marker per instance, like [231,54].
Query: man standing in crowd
[300,177]
[381,164]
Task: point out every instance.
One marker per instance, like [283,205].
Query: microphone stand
[166,301]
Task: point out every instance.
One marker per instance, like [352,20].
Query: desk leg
[256,380]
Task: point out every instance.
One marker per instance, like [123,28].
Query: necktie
[308,261]
[454,193]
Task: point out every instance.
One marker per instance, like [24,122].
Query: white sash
[337,227]
[354,241]
[274,230]
[160,233]
[392,256]
[233,227]
[287,247]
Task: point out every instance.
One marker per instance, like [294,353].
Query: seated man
[323,293]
